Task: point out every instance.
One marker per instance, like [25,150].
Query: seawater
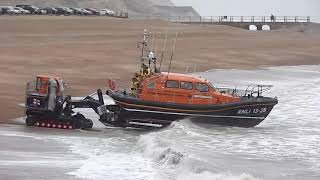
[285,146]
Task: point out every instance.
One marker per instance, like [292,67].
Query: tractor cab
[41,85]
[44,94]
[46,105]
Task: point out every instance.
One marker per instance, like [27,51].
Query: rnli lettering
[252,111]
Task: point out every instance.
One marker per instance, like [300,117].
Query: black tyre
[30,121]
[76,124]
[78,121]
[88,124]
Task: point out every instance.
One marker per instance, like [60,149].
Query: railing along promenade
[240,19]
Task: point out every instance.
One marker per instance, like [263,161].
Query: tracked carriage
[46,105]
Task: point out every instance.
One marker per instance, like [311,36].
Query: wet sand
[85,50]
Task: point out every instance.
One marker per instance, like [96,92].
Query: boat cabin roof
[183,77]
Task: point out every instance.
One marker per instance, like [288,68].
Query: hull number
[252,111]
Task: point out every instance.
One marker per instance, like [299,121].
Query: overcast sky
[254,7]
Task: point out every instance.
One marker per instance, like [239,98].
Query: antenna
[187,69]
[163,49]
[144,35]
[155,38]
[173,48]
[144,44]
[156,53]
[152,41]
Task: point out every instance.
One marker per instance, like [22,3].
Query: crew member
[145,70]
[134,83]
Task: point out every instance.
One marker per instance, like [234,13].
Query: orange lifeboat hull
[248,112]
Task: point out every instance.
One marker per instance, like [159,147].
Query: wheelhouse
[182,89]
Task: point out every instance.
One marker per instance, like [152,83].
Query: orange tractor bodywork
[41,84]
[46,105]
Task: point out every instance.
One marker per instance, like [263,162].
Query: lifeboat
[159,98]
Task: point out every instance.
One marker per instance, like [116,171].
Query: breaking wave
[109,157]
[159,150]
[173,161]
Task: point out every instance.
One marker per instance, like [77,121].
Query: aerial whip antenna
[195,68]
[152,42]
[172,54]
[156,53]
[155,38]
[187,69]
[163,49]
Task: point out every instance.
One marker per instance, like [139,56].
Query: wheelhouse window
[202,87]
[151,85]
[186,85]
[172,84]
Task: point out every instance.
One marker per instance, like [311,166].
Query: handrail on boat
[256,90]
